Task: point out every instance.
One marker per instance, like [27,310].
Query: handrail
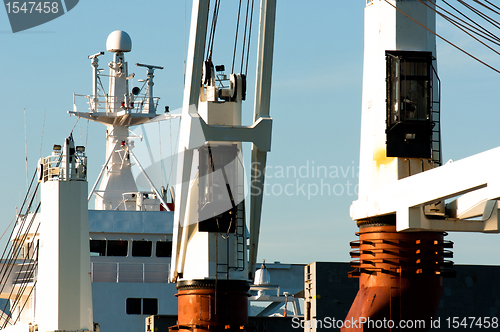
[136,272]
[139,104]
[53,169]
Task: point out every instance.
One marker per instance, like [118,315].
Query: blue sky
[315,104]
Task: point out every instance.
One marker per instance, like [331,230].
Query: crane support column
[209,251]
[400,274]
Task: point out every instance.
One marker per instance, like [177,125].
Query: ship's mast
[120,109]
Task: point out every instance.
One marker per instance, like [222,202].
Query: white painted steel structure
[205,118]
[72,287]
[120,109]
[56,270]
[407,186]
[63,299]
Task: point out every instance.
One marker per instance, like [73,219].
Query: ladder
[239,236]
[436,121]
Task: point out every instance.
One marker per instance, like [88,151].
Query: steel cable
[463,29]
[236,36]
[475,23]
[442,38]
[249,37]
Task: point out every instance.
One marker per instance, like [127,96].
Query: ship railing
[134,201]
[22,274]
[139,201]
[25,273]
[55,168]
[106,104]
[130,272]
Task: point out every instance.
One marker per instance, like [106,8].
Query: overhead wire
[11,254]
[481,14]
[162,163]
[485,6]
[11,263]
[9,257]
[27,274]
[185,22]
[492,4]
[4,267]
[27,298]
[244,37]
[172,162]
[7,227]
[26,148]
[236,36]
[211,37]
[87,136]
[43,129]
[462,29]
[249,37]
[442,38]
[490,34]
[77,120]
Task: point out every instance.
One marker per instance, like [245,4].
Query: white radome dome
[262,277]
[119,41]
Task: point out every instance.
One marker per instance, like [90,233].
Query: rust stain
[380,158]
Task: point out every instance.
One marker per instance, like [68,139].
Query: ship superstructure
[126,241]
[47,276]
[130,229]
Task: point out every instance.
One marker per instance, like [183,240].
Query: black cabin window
[149,306]
[141,248]
[409,104]
[163,249]
[117,248]
[97,247]
[138,306]
[133,306]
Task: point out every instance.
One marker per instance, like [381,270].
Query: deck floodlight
[136,90]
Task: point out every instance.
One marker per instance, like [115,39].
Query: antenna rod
[26,150]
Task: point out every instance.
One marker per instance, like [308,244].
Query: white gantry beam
[477,175]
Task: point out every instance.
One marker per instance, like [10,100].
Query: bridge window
[97,247]
[141,248]
[163,249]
[117,248]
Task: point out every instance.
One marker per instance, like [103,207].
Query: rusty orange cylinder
[209,305]
[400,279]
